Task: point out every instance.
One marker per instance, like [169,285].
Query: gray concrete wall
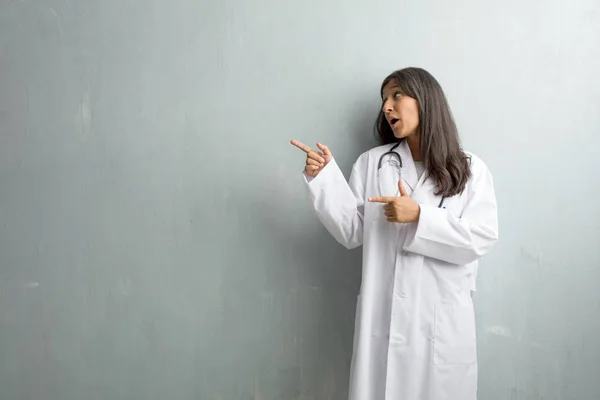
[155,238]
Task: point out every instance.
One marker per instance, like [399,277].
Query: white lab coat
[414,335]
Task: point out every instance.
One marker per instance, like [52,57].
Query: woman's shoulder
[479,168]
[367,157]
[376,151]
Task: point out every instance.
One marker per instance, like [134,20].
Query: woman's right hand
[315,160]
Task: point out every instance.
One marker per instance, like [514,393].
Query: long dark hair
[441,152]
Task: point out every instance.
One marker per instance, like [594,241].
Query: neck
[415,148]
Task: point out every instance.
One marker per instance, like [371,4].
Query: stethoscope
[395,154]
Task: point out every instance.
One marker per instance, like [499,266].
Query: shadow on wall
[315,282]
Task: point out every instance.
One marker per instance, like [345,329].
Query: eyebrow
[392,89]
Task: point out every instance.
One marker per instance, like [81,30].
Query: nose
[387,106]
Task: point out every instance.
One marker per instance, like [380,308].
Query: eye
[397,95]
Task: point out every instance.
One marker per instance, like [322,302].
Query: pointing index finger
[381,199]
[301,146]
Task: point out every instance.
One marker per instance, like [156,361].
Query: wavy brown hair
[441,152]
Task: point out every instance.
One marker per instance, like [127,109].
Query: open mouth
[393,121]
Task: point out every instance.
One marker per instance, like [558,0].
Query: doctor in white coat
[424,211]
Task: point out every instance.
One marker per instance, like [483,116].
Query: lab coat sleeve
[339,204]
[441,235]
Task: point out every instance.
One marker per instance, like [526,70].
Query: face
[401,111]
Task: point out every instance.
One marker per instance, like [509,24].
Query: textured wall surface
[156,241]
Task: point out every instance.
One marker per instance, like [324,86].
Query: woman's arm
[339,204]
[441,235]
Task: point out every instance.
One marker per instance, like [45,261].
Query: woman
[424,211]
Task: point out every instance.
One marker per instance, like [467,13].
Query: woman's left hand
[401,208]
